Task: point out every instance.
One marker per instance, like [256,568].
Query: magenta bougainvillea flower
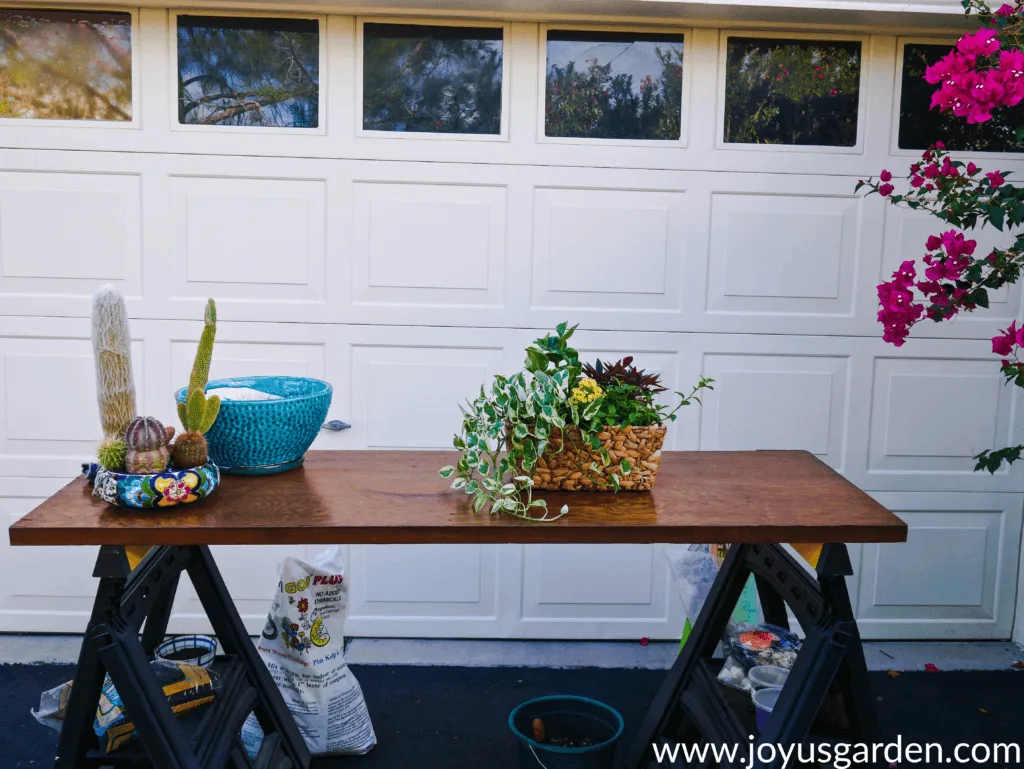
[983,73]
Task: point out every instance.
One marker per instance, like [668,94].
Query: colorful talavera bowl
[150,491]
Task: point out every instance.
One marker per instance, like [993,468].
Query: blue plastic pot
[572,717]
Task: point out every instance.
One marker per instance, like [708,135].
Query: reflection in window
[609,85]
[65,65]
[248,71]
[432,79]
[921,126]
[791,91]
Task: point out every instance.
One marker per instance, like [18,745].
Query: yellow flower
[587,391]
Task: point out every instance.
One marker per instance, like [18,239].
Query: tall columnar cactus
[111,344]
[198,413]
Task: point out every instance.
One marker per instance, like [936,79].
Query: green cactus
[111,454]
[204,353]
[198,413]
[111,344]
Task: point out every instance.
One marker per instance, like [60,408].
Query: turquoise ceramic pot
[258,437]
[155,491]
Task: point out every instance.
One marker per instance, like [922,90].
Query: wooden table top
[364,497]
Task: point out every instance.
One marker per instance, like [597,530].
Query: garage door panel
[66,233]
[453,590]
[598,591]
[46,428]
[408,396]
[429,244]
[248,238]
[613,249]
[788,254]
[44,589]
[776,401]
[955,577]
[915,434]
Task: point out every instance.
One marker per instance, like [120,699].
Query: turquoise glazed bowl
[259,437]
[155,491]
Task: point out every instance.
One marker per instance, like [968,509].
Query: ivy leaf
[459,483]
[446,472]
[478,502]
[564,510]
[625,466]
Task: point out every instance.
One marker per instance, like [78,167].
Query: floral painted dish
[151,491]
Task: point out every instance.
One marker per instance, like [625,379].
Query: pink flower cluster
[973,92]
[952,255]
[1008,339]
[899,310]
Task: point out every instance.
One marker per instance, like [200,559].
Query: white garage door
[403,229]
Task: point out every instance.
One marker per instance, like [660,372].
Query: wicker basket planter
[569,468]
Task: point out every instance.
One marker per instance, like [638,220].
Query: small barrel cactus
[146,439]
[112,453]
[198,412]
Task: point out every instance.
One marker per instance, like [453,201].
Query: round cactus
[145,434]
[146,439]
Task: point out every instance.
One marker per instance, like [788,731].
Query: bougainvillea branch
[984,72]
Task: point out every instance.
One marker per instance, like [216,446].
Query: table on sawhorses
[758,499]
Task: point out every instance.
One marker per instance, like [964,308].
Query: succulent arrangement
[198,413]
[562,425]
[138,464]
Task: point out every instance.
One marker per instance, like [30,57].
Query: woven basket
[569,469]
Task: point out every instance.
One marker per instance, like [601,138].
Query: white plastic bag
[303,646]
[694,569]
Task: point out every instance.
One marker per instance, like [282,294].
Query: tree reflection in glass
[65,65]
[432,79]
[248,71]
[613,85]
[802,92]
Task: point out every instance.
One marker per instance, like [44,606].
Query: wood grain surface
[362,497]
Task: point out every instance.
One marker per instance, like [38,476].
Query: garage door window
[613,85]
[791,92]
[920,126]
[433,79]
[65,65]
[255,72]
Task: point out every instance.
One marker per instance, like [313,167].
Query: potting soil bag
[303,646]
[185,686]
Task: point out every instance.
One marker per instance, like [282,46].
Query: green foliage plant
[505,430]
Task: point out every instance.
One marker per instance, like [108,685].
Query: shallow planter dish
[153,491]
[568,467]
[259,437]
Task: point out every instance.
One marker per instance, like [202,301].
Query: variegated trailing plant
[506,430]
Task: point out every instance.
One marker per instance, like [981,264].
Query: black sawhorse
[112,645]
[826,697]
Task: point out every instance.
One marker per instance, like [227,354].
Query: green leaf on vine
[995,215]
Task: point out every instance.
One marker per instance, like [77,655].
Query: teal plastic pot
[567,716]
